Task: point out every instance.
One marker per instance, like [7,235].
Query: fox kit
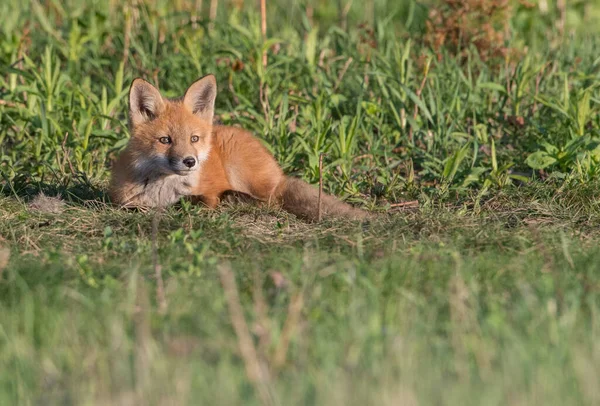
[175,151]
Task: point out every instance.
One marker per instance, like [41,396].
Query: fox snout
[186,164]
[190,162]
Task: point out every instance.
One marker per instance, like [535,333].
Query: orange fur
[154,172]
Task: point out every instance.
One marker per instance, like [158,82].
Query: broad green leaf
[540,160]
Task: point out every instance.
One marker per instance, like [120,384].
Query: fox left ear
[200,97]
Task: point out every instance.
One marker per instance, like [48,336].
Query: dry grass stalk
[343,11]
[127,39]
[263,27]
[342,73]
[319,205]
[67,154]
[412,203]
[197,9]
[264,99]
[257,373]
[212,13]
[143,338]
[4,257]
[419,92]
[263,324]
[291,322]
[160,287]
[561,6]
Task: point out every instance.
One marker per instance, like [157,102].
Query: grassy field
[477,144]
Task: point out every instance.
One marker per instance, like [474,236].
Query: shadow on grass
[78,190]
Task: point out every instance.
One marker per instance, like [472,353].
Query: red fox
[175,151]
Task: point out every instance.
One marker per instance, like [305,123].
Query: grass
[487,292]
[439,305]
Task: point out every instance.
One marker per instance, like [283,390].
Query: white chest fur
[164,190]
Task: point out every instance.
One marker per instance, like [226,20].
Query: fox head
[171,136]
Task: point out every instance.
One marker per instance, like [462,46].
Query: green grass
[488,292]
[441,305]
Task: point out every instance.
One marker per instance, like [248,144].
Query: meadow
[470,128]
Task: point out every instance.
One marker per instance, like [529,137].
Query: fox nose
[189,161]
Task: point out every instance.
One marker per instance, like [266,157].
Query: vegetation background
[471,126]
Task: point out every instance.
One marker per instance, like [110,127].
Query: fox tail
[301,199]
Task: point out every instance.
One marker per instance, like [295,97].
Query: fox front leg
[209,201]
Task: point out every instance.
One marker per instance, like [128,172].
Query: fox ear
[145,102]
[200,97]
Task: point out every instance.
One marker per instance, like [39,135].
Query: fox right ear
[145,102]
[200,97]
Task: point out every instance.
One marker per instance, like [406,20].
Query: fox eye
[195,138]
[165,140]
